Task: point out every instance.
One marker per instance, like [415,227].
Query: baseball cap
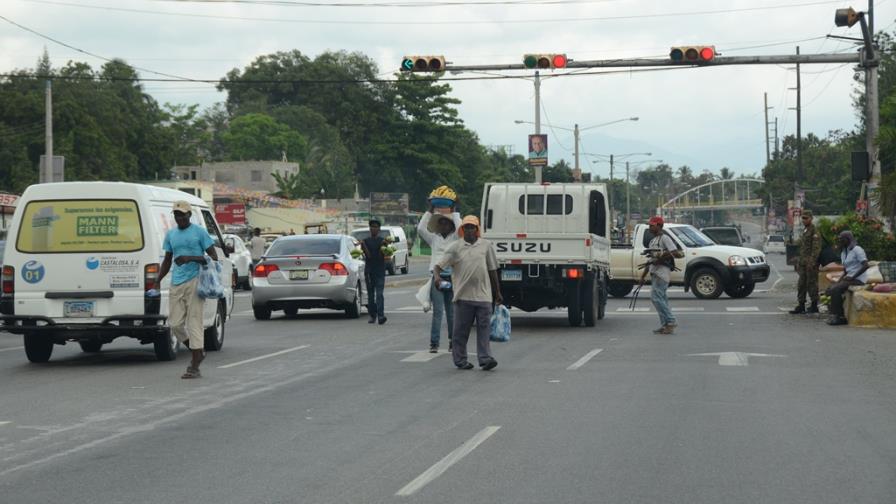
[182,206]
[656,220]
[470,219]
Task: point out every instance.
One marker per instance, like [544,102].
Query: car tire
[590,300]
[354,310]
[740,290]
[574,305]
[407,266]
[291,312]
[391,269]
[165,346]
[214,335]
[92,346]
[620,289]
[261,312]
[38,348]
[706,284]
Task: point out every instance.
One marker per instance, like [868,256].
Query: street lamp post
[577,172]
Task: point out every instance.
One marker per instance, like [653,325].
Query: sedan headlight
[737,260]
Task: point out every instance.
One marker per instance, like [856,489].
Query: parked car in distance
[775,244]
[308,271]
[724,235]
[400,260]
[242,260]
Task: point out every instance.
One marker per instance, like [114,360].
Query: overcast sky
[707,118]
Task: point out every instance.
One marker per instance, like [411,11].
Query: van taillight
[151,276]
[8,280]
[335,269]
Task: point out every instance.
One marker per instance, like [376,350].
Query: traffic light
[692,54]
[423,64]
[545,61]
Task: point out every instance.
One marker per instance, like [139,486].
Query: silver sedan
[308,271]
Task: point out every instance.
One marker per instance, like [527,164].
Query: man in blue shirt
[186,245]
[855,272]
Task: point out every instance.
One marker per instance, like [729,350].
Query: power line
[465,22]
[442,3]
[69,46]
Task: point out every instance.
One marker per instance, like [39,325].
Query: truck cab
[553,245]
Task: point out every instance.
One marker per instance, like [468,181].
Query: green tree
[260,137]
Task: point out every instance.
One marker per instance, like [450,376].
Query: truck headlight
[737,260]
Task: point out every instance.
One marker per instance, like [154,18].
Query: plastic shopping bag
[500,330]
[210,280]
[423,296]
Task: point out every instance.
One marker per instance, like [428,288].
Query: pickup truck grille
[756,260]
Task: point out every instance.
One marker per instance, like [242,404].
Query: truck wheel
[407,265]
[740,289]
[38,348]
[574,305]
[619,289]
[91,346]
[706,284]
[214,335]
[261,312]
[602,305]
[165,346]
[590,300]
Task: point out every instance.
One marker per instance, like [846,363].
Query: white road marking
[734,358]
[410,308]
[630,310]
[443,465]
[688,309]
[780,276]
[11,349]
[260,357]
[5,423]
[584,360]
[742,308]
[697,314]
[424,356]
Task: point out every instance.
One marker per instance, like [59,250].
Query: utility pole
[799,129]
[48,133]
[767,155]
[628,201]
[576,172]
[610,190]
[538,169]
[872,113]
[777,151]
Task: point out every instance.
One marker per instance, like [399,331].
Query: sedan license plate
[78,309]
[298,275]
[512,275]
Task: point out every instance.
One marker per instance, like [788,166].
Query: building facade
[249,175]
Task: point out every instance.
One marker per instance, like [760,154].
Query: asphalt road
[744,404]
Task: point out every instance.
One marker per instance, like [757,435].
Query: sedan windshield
[691,237]
[305,247]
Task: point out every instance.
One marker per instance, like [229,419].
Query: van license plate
[78,309]
[512,275]
[298,275]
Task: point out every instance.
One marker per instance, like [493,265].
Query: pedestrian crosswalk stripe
[742,308]
[630,310]
[687,308]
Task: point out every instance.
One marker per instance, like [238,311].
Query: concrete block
[871,309]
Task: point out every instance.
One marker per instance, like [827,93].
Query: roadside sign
[230,213]
[636,216]
[861,206]
[538,150]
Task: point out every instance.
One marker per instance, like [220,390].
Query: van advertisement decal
[33,272]
[123,273]
[71,226]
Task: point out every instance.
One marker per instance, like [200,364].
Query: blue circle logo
[33,272]
[93,263]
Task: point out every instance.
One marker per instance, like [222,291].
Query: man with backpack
[662,250]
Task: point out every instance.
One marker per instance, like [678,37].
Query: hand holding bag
[210,280]
[500,324]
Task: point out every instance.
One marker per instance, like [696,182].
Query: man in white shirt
[439,231]
[662,261]
[257,246]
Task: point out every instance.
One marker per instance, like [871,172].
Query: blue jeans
[660,300]
[442,303]
[376,303]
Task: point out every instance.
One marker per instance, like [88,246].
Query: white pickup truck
[552,241]
[706,269]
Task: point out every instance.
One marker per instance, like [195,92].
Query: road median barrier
[866,308]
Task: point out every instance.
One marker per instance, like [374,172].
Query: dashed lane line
[742,309]
[439,468]
[260,357]
[584,360]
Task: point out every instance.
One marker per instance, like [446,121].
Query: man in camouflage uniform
[807,268]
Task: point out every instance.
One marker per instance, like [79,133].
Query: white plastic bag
[423,296]
[210,280]
[500,324]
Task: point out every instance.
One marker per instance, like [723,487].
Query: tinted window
[535,205]
[776,238]
[724,236]
[305,247]
[361,234]
[555,204]
[691,237]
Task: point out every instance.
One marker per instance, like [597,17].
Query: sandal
[191,373]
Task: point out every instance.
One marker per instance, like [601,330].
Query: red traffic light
[692,54]
[545,61]
[559,61]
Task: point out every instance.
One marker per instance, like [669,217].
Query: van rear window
[71,226]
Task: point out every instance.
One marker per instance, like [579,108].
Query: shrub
[869,232]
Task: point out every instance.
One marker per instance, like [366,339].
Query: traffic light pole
[538,168]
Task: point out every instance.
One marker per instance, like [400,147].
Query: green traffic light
[530,60]
[407,64]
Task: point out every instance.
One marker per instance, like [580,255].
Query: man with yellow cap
[474,276]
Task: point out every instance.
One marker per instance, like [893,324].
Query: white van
[82,263]
[400,260]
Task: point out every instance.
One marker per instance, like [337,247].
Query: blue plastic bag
[210,280]
[500,329]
